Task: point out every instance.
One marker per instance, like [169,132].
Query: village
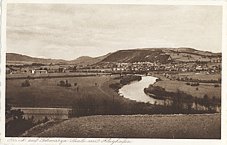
[211,66]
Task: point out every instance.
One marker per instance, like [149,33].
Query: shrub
[18,125]
[68,85]
[26,83]
[64,84]
[188,83]
[158,79]
[61,83]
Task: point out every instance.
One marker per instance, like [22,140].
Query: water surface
[135,90]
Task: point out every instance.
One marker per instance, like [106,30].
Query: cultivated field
[138,126]
[200,76]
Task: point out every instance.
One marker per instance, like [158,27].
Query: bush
[64,84]
[18,125]
[61,83]
[26,83]
[158,79]
[68,85]
[188,83]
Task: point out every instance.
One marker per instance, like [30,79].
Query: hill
[199,126]
[162,55]
[159,55]
[87,60]
[12,58]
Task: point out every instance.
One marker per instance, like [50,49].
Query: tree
[18,125]
[61,83]
[196,103]
[17,114]
[205,101]
[189,102]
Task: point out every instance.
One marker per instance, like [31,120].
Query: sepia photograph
[144,71]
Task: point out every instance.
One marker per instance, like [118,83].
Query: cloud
[69,31]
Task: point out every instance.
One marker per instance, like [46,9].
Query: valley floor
[202,126]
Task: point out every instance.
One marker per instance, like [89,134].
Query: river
[135,90]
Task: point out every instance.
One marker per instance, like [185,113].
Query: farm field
[46,92]
[203,88]
[141,126]
[200,76]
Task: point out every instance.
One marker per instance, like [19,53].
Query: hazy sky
[70,31]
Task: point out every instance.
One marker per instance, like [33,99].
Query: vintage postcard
[105,72]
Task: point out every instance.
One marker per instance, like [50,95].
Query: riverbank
[202,96]
[172,85]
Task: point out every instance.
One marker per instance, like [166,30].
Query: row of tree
[181,100]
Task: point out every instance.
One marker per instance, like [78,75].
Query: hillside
[87,60]
[162,55]
[24,59]
[13,58]
[136,126]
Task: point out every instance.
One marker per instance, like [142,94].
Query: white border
[6,140]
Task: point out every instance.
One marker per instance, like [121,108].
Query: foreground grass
[138,126]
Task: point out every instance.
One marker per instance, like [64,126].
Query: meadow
[85,95]
[196,91]
[46,93]
[137,126]
[203,76]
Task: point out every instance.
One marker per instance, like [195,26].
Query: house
[12,70]
[39,71]
[199,68]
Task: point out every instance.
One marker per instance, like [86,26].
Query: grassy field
[137,126]
[203,88]
[46,93]
[200,76]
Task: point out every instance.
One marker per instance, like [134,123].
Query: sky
[68,31]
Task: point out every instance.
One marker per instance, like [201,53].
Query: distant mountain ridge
[87,60]
[12,58]
[162,55]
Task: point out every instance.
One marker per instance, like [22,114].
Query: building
[39,71]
